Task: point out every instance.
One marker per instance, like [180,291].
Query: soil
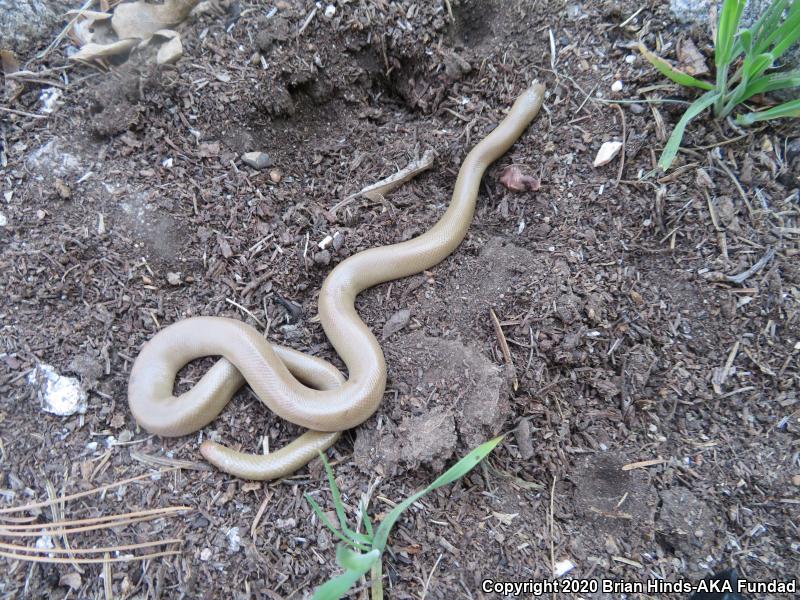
[654,429]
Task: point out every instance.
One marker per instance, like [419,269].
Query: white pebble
[606,153]
[616,86]
[330,10]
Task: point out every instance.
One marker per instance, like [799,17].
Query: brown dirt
[627,342]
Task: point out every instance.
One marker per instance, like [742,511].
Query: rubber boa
[299,388]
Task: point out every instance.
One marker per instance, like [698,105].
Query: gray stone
[257,160]
[26,25]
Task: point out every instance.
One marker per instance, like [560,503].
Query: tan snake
[305,390]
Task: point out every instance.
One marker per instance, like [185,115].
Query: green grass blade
[787,109]
[674,142]
[337,587]
[367,521]
[458,470]
[325,521]
[756,65]
[766,25]
[337,497]
[355,561]
[669,71]
[788,33]
[339,505]
[772,83]
[726,31]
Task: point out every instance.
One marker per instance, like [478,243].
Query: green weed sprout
[776,30]
[357,552]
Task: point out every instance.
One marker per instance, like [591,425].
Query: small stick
[17,548]
[85,561]
[624,137]
[242,308]
[102,488]
[643,464]
[94,520]
[22,113]
[501,338]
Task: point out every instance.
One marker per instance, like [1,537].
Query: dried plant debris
[516,180]
[132,25]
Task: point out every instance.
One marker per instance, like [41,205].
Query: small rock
[396,322]
[59,395]
[174,278]
[205,554]
[275,175]
[289,523]
[323,257]
[3,220]
[71,580]
[796,480]
[523,436]
[607,153]
[616,86]
[257,160]
[234,539]
[330,11]
[636,109]
[326,241]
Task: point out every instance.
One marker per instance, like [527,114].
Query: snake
[300,388]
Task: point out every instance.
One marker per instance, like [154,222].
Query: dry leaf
[170,51]
[141,20]
[9,62]
[92,51]
[515,180]
[690,60]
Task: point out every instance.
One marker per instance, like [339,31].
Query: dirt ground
[129,208]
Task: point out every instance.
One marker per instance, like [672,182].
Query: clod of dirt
[116,117]
[272,30]
[686,524]
[454,392]
[616,505]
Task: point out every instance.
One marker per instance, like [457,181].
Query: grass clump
[358,552]
[759,46]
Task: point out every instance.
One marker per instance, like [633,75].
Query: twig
[104,549]
[93,520]
[643,464]
[762,262]
[66,29]
[85,561]
[242,308]
[259,514]
[737,185]
[163,461]
[501,339]
[308,20]
[97,490]
[624,141]
[22,113]
[430,575]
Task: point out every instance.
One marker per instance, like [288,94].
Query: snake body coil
[305,390]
